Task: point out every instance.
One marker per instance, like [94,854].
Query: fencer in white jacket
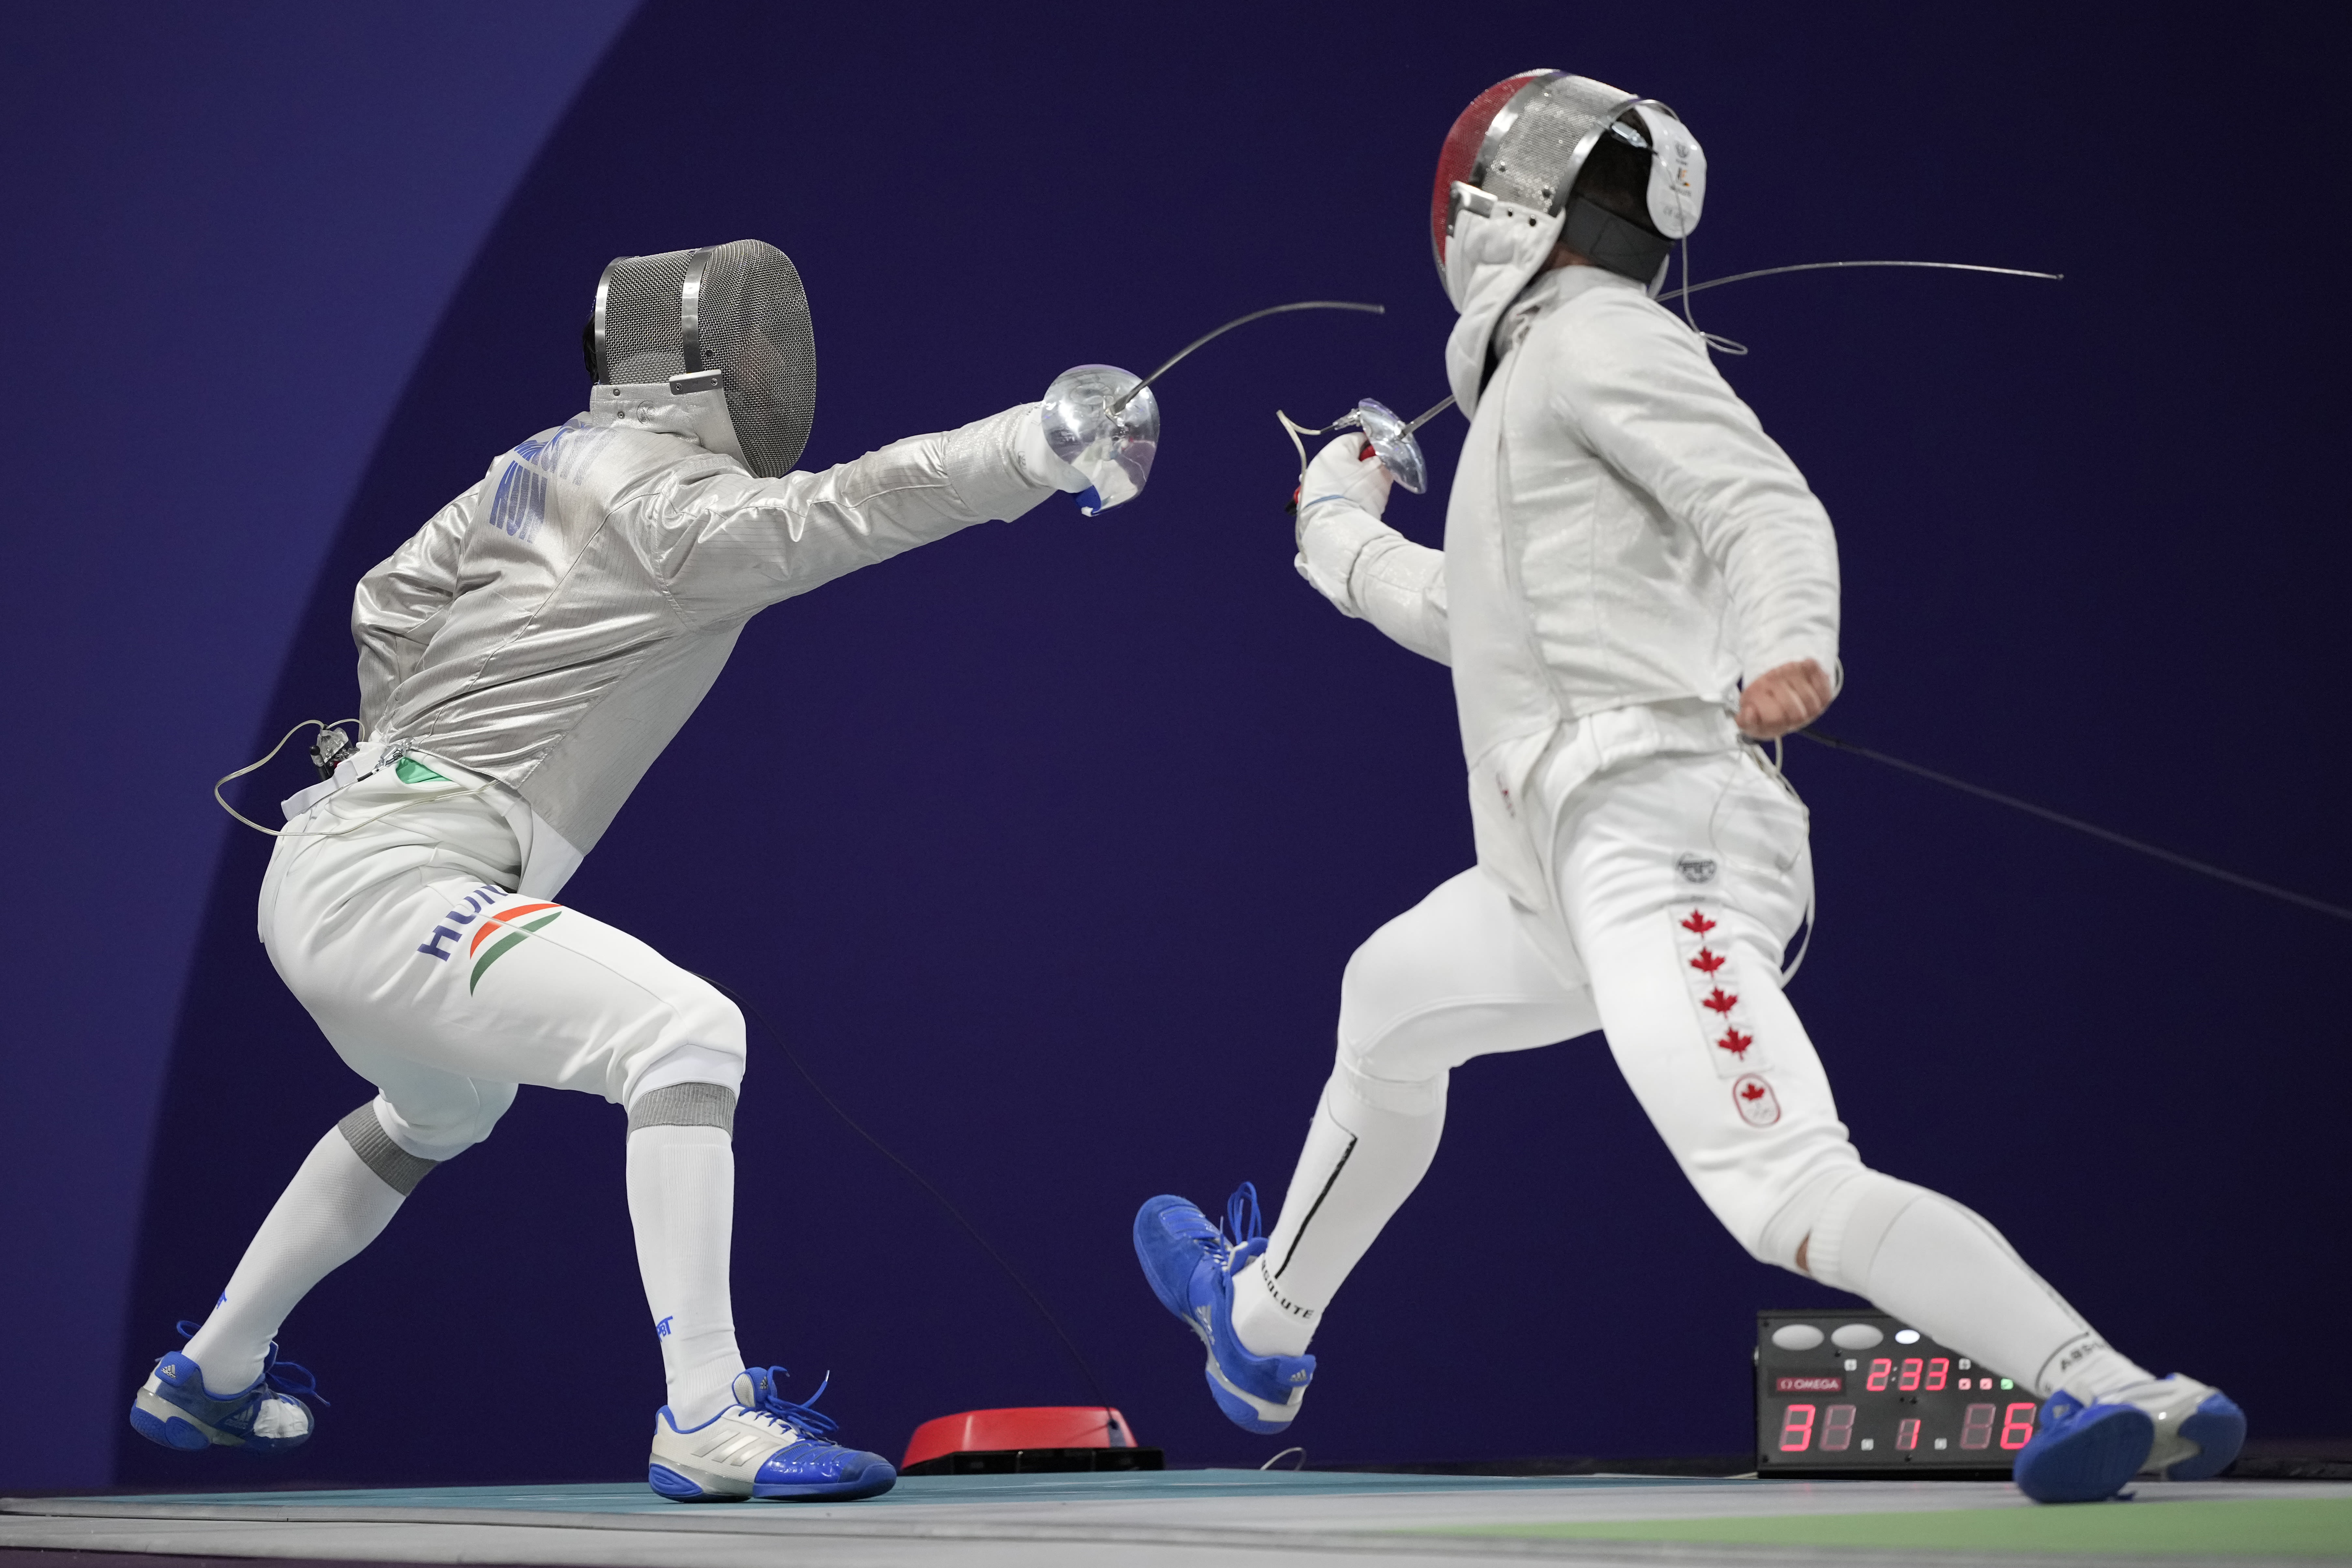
[1633,575]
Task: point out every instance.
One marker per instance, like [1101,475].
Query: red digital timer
[1844,1393]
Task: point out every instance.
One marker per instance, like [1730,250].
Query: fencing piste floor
[1248,1518]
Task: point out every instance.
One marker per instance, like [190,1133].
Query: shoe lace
[1243,1203]
[287,1377]
[1189,1224]
[1242,1227]
[804,1419]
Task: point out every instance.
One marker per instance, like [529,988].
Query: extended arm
[1361,564]
[396,605]
[732,542]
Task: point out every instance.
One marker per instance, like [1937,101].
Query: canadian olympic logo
[1758,1105]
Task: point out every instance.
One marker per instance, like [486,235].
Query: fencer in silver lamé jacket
[552,627]
[1623,547]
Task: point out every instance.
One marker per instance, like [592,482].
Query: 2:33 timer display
[1862,1391]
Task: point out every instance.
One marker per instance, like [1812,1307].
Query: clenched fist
[1788,697]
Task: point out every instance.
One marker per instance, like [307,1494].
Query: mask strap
[689,310]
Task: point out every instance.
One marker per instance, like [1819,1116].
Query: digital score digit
[1852,1392]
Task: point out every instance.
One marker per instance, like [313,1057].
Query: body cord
[1068,1344]
[2106,835]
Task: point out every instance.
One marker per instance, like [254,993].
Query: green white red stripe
[516,927]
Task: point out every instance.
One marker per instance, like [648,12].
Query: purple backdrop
[1047,844]
[233,230]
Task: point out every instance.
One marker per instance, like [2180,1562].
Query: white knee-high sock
[1925,1258]
[333,1207]
[1369,1146]
[682,1203]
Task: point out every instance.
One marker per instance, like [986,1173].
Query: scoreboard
[1861,1393]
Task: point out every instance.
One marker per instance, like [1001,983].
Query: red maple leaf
[1708,961]
[1752,1092]
[1737,1044]
[1717,1001]
[1698,922]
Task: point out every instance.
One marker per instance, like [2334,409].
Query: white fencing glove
[1339,504]
[1337,473]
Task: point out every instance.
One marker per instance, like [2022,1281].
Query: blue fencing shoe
[1191,1266]
[762,1445]
[2084,1453]
[2198,1429]
[175,1409]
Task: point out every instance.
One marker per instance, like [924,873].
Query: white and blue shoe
[2174,1429]
[174,1408]
[2199,1428]
[1191,1265]
[2082,1453]
[762,1445]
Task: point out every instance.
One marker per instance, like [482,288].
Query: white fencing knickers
[1676,882]
[386,911]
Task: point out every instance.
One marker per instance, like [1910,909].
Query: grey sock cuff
[400,1169]
[684,1105]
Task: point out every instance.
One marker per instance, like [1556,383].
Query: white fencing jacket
[552,627]
[1623,547]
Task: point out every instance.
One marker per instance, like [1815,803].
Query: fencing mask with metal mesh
[1528,141]
[1541,158]
[731,319]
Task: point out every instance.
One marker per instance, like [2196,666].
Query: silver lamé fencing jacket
[552,627]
